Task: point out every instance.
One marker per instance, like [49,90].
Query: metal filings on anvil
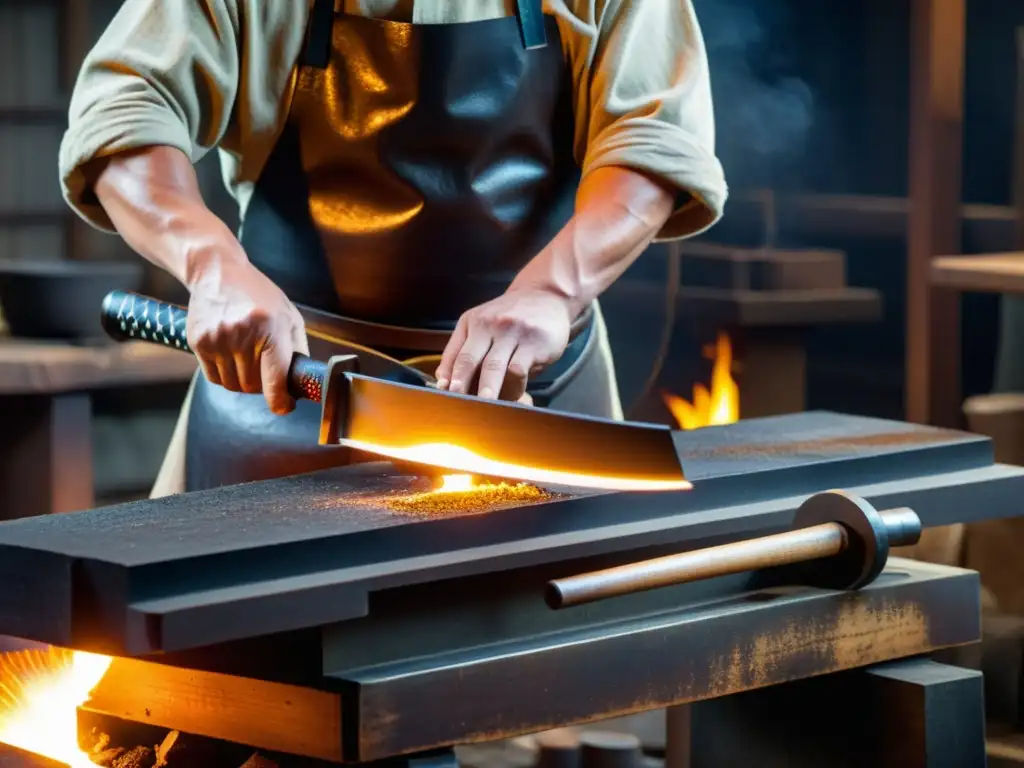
[462,493]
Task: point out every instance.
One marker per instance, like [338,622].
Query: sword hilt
[132,317]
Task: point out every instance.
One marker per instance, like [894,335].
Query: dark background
[812,97]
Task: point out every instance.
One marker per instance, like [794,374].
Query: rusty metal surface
[430,668]
[749,641]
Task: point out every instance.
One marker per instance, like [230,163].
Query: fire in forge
[368,613]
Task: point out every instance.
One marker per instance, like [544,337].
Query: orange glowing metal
[720,405]
[455,484]
[460,459]
[40,692]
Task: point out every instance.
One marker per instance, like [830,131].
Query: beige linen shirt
[200,75]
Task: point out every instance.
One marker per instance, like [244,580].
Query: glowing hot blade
[484,437]
[460,459]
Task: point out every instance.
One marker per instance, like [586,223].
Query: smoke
[763,110]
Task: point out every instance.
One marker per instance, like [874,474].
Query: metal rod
[818,541]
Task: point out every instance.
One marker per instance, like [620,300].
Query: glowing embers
[40,692]
[715,407]
[463,494]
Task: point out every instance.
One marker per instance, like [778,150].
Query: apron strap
[319,32]
[530,15]
[317,53]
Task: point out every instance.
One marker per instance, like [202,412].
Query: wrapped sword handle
[132,317]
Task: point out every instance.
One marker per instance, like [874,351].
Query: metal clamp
[841,537]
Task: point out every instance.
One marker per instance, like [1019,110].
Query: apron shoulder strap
[530,15]
[319,31]
[317,53]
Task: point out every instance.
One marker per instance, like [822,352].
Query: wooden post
[678,737]
[1018,144]
[46,457]
[932,394]
[76,38]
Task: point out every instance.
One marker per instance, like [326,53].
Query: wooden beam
[808,217]
[29,367]
[271,716]
[1018,144]
[76,38]
[987,273]
[932,394]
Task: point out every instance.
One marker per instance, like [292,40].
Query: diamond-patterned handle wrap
[131,317]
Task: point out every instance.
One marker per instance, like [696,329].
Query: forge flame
[715,407]
[40,692]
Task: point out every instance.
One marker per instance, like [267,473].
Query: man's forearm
[618,213]
[153,198]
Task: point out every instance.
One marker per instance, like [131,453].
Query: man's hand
[497,345]
[243,329]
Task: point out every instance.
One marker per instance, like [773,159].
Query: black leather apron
[420,168]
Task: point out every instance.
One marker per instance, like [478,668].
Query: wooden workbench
[46,409]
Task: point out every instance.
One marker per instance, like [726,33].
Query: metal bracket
[530,15]
[334,403]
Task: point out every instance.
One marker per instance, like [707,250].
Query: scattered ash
[478,499]
[177,750]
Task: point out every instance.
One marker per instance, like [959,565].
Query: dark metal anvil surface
[309,616]
[306,551]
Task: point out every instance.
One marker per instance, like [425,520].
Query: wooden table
[46,412]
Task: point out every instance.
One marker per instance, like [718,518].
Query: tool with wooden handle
[378,405]
[842,539]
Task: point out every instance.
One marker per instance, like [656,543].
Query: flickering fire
[40,692]
[466,461]
[714,407]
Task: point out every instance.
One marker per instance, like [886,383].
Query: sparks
[40,692]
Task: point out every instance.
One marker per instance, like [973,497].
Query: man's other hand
[497,345]
[243,329]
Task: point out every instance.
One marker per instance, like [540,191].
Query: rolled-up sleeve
[164,73]
[643,101]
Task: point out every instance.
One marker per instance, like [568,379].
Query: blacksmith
[450,181]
